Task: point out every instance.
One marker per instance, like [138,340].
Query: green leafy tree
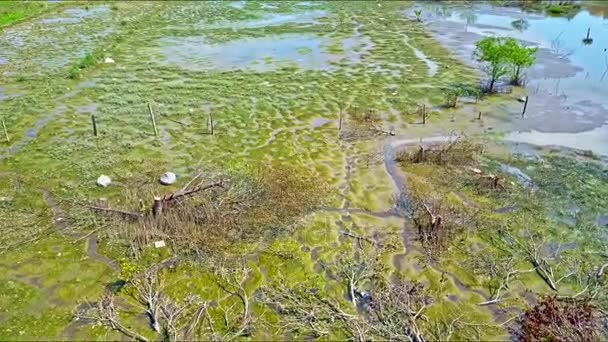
[503,56]
[520,57]
[492,53]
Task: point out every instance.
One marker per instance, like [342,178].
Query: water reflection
[520,25]
[260,54]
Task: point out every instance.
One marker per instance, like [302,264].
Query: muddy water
[595,140]
[308,17]
[50,43]
[568,87]
[259,54]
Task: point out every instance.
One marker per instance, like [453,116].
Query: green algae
[261,117]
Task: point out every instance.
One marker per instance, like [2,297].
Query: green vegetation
[291,221]
[89,60]
[12,12]
[458,90]
[520,57]
[491,51]
[502,54]
[562,8]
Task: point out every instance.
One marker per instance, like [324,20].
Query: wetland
[292,170]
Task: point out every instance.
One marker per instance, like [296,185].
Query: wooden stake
[479,116]
[523,112]
[152,119]
[157,207]
[340,121]
[211,122]
[8,140]
[424,114]
[94,125]
[588,31]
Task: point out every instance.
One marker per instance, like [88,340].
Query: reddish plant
[553,320]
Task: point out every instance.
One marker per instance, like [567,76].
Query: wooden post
[8,140]
[94,125]
[479,116]
[340,120]
[424,114]
[152,119]
[523,112]
[157,207]
[588,32]
[420,155]
[211,122]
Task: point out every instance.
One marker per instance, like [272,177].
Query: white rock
[522,99]
[168,178]
[104,181]
[108,60]
[475,170]
[159,244]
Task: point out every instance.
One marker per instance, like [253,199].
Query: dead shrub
[553,320]
[458,151]
[439,223]
[362,124]
[245,207]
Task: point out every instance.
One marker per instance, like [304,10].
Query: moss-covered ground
[278,104]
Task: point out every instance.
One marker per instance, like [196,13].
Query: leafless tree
[170,319]
[306,312]
[232,282]
[396,309]
[506,273]
[106,313]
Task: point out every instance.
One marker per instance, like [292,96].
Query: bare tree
[396,309]
[105,312]
[306,312]
[505,274]
[170,319]
[232,282]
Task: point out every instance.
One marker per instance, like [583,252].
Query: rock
[522,99]
[108,60]
[168,178]
[517,173]
[475,170]
[159,244]
[104,181]
[602,220]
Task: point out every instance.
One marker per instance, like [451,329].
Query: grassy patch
[12,12]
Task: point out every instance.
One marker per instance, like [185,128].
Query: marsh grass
[12,12]
[262,118]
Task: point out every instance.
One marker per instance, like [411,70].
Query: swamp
[299,170]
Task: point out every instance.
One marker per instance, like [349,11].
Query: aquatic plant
[418,14]
[520,24]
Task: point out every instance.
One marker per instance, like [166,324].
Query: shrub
[552,320]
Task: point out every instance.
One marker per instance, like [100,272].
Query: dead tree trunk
[211,122]
[157,207]
[424,114]
[419,155]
